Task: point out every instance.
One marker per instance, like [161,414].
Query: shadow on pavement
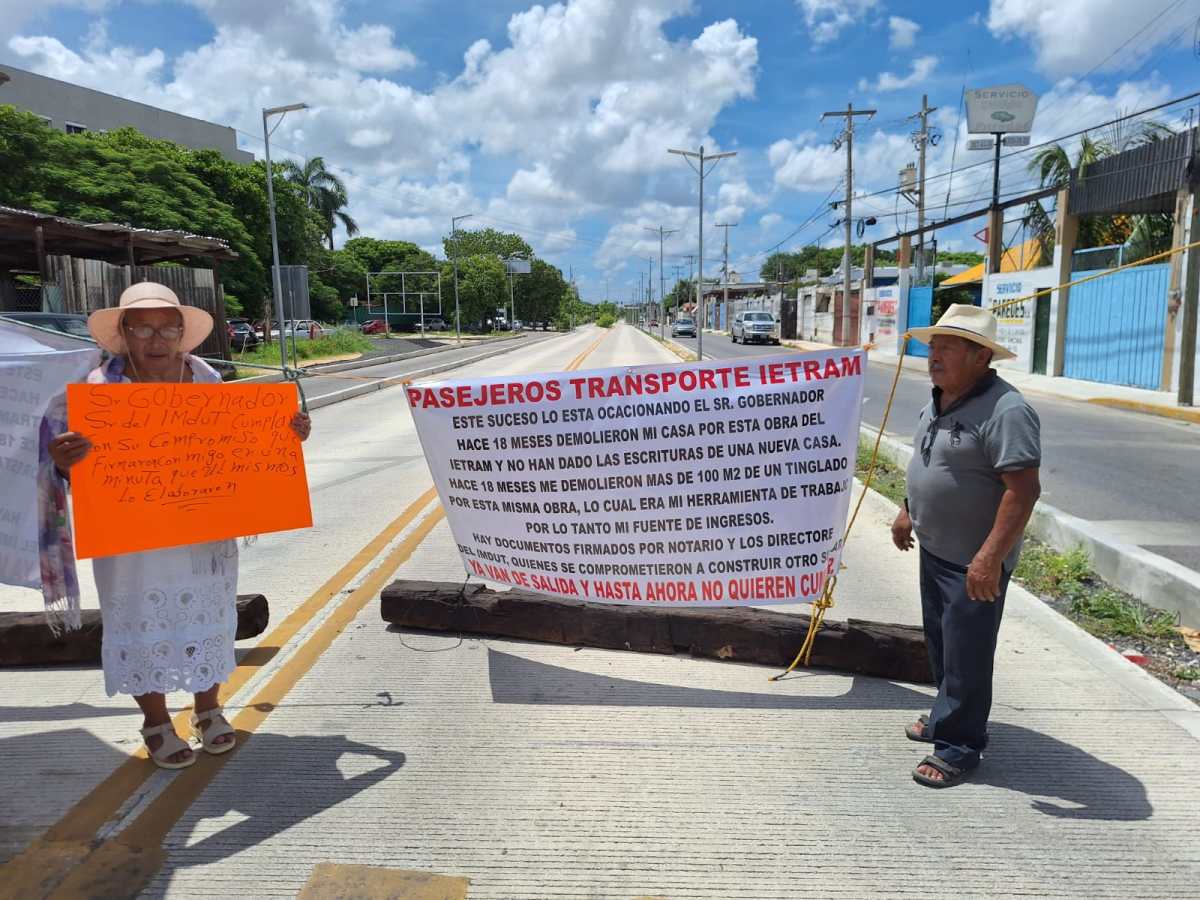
[1038,765]
[1018,759]
[278,781]
[65,712]
[517,680]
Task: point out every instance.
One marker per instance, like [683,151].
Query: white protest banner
[33,374]
[707,484]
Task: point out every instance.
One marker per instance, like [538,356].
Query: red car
[374,326]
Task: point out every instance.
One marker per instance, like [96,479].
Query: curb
[1179,413]
[390,381]
[1153,579]
[1157,696]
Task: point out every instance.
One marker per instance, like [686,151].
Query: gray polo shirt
[954,484]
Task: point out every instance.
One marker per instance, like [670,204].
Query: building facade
[75,109]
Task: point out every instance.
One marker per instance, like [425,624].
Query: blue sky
[554,121]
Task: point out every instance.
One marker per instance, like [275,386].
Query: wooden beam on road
[738,634]
[26,639]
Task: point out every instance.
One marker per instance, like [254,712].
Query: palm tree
[1054,168]
[325,192]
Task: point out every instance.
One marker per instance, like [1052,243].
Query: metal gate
[787,319]
[920,315]
[1116,327]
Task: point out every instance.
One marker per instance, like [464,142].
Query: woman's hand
[67,449]
[302,425]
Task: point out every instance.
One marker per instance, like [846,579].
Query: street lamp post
[275,281]
[454,243]
[699,169]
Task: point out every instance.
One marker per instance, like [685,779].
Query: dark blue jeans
[960,634]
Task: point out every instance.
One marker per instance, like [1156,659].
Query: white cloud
[769,221]
[581,101]
[902,32]
[922,68]
[1072,36]
[826,18]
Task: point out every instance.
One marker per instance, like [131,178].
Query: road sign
[981,144]
[354,300]
[518,266]
[1007,108]
[982,236]
[1016,140]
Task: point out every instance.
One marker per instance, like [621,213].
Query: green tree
[539,294]
[486,240]
[324,192]
[482,289]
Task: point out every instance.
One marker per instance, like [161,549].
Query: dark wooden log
[25,639]
[741,634]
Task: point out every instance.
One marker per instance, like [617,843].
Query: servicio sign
[1006,108]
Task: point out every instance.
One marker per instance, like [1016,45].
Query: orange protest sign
[176,464]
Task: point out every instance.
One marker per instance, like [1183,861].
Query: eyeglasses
[927,441]
[145,332]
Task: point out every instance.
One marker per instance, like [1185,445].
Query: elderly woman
[169,615]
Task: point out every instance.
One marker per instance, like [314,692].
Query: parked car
[432,323]
[374,326]
[754,325]
[242,336]
[518,325]
[683,326]
[73,324]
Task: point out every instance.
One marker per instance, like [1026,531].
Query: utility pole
[922,139]
[454,243]
[725,265]
[662,292]
[847,137]
[678,269]
[698,168]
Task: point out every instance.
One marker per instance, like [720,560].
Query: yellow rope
[1068,284]
[826,599]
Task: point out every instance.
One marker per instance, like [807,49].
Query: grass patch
[888,479]
[1065,580]
[341,342]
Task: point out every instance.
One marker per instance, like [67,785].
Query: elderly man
[972,484]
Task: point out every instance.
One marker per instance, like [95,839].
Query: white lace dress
[170,616]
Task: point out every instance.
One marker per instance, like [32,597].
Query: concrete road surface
[1132,474]
[538,771]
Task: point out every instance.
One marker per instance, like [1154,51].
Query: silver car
[683,326]
[754,326]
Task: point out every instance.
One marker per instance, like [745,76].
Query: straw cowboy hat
[968,322]
[105,324]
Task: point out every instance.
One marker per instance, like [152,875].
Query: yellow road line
[123,866]
[578,361]
[78,827]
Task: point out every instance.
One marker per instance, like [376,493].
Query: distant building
[74,109]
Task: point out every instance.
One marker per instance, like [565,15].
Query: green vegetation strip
[340,343]
[1066,582]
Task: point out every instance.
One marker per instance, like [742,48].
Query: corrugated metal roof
[1143,179]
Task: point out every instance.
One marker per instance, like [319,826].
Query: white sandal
[220,726]
[171,744]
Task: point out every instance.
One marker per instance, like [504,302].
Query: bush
[339,343]
[605,321]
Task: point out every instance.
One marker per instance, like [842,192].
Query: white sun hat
[968,322]
[105,324]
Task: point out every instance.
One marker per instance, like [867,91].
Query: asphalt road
[1133,474]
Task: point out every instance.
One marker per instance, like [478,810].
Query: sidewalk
[1117,396]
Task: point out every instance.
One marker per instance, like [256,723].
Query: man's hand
[983,578]
[902,530]
[68,449]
